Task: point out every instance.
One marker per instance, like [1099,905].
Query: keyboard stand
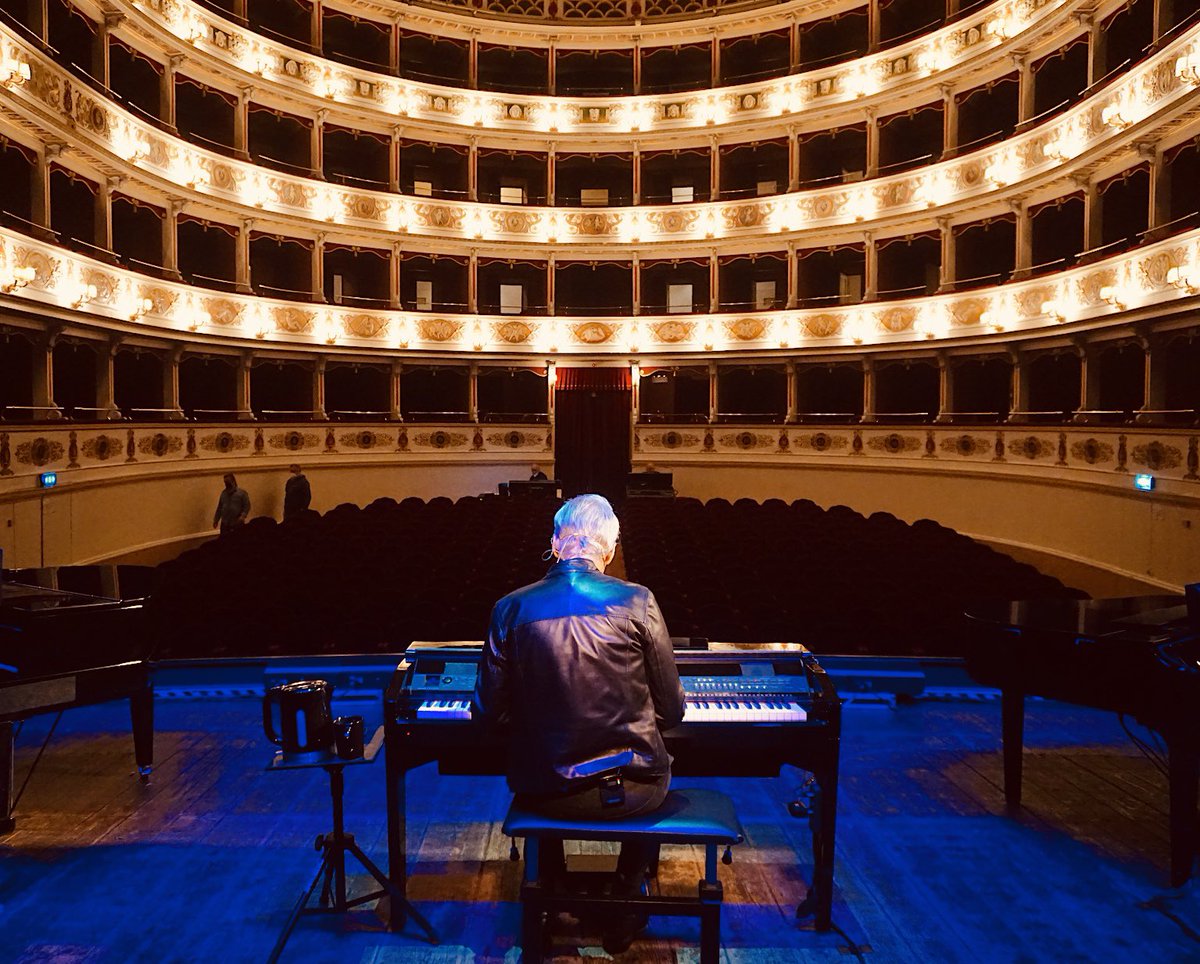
[331,874]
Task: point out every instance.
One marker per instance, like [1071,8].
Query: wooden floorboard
[204,863]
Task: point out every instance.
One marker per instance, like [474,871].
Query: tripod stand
[333,847]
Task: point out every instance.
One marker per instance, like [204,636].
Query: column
[103,238]
[637,68]
[1160,186]
[715,63]
[871,267]
[1093,215]
[170,382]
[1164,17]
[552,70]
[551,381]
[713,392]
[318,268]
[637,173]
[40,187]
[106,388]
[241,123]
[635,399]
[394,413]
[1154,398]
[39,19]
[868,386]
[316,150]
[473,282]
[473,391]
[872,142]
[945,388]
[793,276]
[473,62]
[1023,256]
[949,120]
[1025,99]
[42,353]
[793,47]
[637,283]
[947,273]
[316,26]
[394,277]
[100,59]
[318,390]
[1089,381]
[793,393]
[550,292]
[394,49]
[714,282]
[874,27]
[239,10]
[793,158]
[550,179]
[242,257]
[473,169]
[714,169]
[394,161]
[170,238]
[242,394]
[166,89]
[1018,394]
[1097,48]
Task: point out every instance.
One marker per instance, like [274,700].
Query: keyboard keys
[743,711]
[444,710]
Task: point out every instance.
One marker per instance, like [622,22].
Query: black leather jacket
[580,665]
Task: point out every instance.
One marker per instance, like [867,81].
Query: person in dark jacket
[580,666]
[297,493]
[232,507]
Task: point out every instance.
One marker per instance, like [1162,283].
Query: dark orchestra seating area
[373,579]
[830,578]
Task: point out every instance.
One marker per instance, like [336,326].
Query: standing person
[581,665]
[232,507]
[297,493]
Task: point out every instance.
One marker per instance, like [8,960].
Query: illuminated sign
[1144,482]
[48,480]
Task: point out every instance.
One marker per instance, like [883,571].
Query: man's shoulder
[591,592]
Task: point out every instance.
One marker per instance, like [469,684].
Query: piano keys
[749,712]
[70,637]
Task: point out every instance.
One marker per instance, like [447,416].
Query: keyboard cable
[36,760]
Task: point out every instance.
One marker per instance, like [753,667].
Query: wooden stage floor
[205,862]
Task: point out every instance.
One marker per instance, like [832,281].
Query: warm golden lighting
[1187,68]
[1178,277]
[14,73]
[1053,308]
[1112,116]
[18,278]
[83,294]
[1112,296]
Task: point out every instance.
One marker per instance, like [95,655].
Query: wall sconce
[198,319]
[19,278]
[1187,68]
[1003,170]
[1178,277]
[140,308]
[1053,309]
[14,74]
[329,332]
[1112,296]
[84,294]
[1112,116]
[262,332]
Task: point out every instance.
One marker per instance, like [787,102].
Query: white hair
[585,526]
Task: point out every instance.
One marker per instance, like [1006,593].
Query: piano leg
[1012,739]
[141,715]
[824,825]
[7,824]
[1184,774]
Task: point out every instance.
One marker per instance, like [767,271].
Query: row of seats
[371,579]
[830,578]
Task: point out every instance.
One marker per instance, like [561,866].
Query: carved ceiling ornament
[512,332]
[439,330]
[365,326]
[294,321]
[592,332]
[673,332]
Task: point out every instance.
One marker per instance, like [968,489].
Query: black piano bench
[685,817]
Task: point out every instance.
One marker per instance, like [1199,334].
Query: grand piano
[71,636]
[1137,656]
[749,711]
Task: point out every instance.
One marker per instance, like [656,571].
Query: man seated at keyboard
[580,664]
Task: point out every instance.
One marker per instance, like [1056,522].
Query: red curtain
[592,410]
